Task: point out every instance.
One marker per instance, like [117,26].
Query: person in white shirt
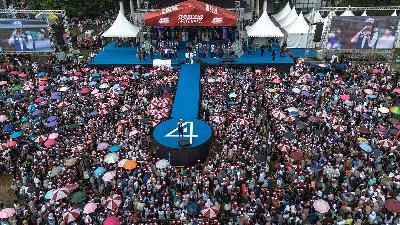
[386,41]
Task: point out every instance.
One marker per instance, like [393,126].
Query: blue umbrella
[136,74]
[146,74]
[365,147]
[16,134]
[31,108]
[98,171]
[315,168]
[92,83]
[120,92]
[94,113]
[24,119]
[64,78]
[114,148]
[193,208]
[9,127]
[36,112]
[321,75]
[51,118]
[116,86]
[305,93]
[41,74]
[52,123]
[48,194]
[56,95]
[96,75]
[371,96]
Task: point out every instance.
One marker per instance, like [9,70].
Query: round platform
[196,132]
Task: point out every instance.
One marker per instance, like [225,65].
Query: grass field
[6,194]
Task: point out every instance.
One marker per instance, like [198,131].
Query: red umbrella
[338,128]
[113,202]
[386,143]
[78,73]
[345,97]
[210,212]
[279,115]
[392,205]
[296,155]
[59,194]
[112,220]
[85,90]
[49,142]
[71,215]
[72,186]
[284,148]
[338,80]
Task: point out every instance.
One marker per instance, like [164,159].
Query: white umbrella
[59,194]
[122,162]
[113,202]
[104,86]
[111,158]
[321,206]
[384,110]
[279,115]
[386,143]
[296,90]
[3,118]
[109,176]
[71,215]
[162,164]
[210,212]
[62,89]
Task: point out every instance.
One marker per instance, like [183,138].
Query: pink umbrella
[368,91]
[78,73]
[49,142]
[3,118]
[279,115]
[276,81]
[22,75]
[85,90]
[109,176]
[72,186]
[102,146]
[71,215]
[38,100]
[386,143]
[3,83]
[14,72]
[210,212]
[345,97]
[90,208]
[113,202]
[321,206]
[53,136]
[284,148]
[41,88]
[112,220]
[59,194]
[7,213]
[376,71]
[40,139]
[397,90]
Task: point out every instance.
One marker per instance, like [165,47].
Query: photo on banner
[24,35]
[362,32]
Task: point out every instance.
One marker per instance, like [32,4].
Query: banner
[362,32]
[191,13]
[24,35]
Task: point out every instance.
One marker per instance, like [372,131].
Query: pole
[132,6]
[138,4]
[257,7]
[121,7]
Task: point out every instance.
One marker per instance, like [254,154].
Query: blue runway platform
[196,132]
[111,54]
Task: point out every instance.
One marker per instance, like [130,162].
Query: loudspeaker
[318,32]
[183,143]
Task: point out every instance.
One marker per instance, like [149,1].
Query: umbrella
[102,146]
[289,135]
[345,97]
[49,194]
[386,143]
[114,148]
[41,74]
[112,220]
[395,110]
[365,147]
[59,194]
[162,164]
[232,95]
[394,121]
[113,202]
[260,157]
[99,171]
[52,123]
[90,208]
[16,87]
[338,128]
[71,215]
[296,155]
[301,125]
[9,128]
[109,176]
[51,118]
[53,136]
[49,142]
[279,115]
[72,186]
[55,171]
[321,206]
[310,102]
[392,205]
[296,90]
[384,110]
[63,89]
[111,158]
[70,162]
[15,135]
[210,212]
[78,197]
[193,208]
[85,90]
[315,168]
[104,86]
[7,213]
[122,162]
[130,164]
[348,197]
[36,112]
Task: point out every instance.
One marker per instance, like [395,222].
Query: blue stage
[111,54]
[185,107]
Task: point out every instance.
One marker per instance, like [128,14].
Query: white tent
[394,13]
[348,12]
[364,13]
[289,19]
[315,16]
[121,27]
[264,27]
[297,33]
[283,13]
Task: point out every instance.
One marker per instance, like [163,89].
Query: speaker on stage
[318,32]
[183,143]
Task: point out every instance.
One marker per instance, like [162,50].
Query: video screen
[362,32]
[24,35]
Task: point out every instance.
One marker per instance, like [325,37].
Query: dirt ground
[6,194]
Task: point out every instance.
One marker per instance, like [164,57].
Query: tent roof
[394,13]
[191,13]
[364,13]
[283,13]
[264,27]
[317,16]
[299,26]
[348,12]
[289,18]
[121,27]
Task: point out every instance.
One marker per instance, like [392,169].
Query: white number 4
[186,125]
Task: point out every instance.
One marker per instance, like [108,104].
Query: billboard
[24,35]
[362,32]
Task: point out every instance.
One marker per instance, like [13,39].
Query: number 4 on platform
[186,125]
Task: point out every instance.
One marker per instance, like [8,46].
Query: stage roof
[191,13]
[121,27]
[264,27]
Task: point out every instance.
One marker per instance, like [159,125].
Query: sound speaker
[183,143]
[318,32]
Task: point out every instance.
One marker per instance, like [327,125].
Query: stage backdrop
[191,13]
[24,35]
[362,32]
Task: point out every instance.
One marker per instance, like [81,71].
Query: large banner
[24,35]
[362,32]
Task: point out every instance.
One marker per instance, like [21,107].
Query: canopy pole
[265,5]
[132,6]
[257,7]
[138,4]
[121,8]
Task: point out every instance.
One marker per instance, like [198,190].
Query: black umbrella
[193,208]
[289,135]
[301,125]
[260,157]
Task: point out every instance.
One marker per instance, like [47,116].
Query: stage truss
[12,13]
[388,54]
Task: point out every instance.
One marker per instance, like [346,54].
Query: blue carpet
[185,107]
[301,52]
[113,55]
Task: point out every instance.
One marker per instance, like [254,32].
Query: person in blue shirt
[367,36]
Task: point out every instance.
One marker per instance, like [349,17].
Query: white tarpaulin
[288,19]
[297,33]
[283,13]
[348,12]
[314,17]
[121,27]
[264,27]
[364,13]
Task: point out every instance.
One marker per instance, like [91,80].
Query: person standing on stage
[180,128]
